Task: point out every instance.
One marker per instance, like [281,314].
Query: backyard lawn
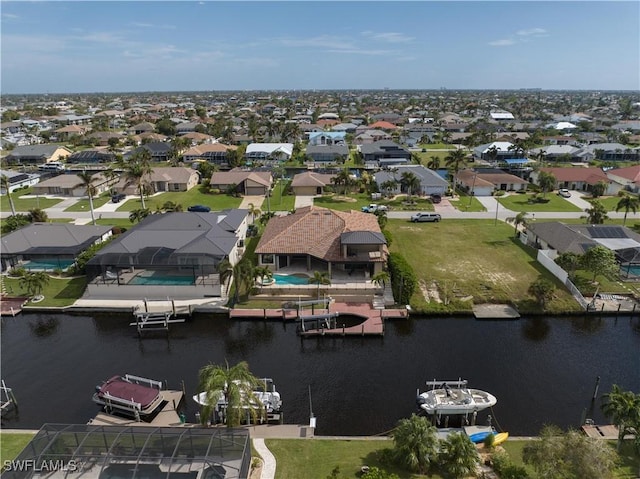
[460,261]
[25,204]
[281,202]
[58,293]
[194,196]
[520,202]
[12,444]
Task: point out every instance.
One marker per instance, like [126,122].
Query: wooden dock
[11,306]
[267,314]
[608,431]
[168,416]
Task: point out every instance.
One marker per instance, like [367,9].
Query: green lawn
[610,203]
[12,444]
[354,201]
[59,292]
[471,260]
[194,196]
[519,202]
[26,204]
[467,203]
[284,202]
[83,204]
[122,222]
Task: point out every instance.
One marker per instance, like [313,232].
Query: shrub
[499,193]
[403,278]
[18,272]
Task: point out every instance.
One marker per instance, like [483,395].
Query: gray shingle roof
[59,238]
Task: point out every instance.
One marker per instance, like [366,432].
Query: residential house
[103,137]
[384,153]
[578,178]
[92,156]
[268,153]
[345,127]
[37,154]
[327,153]
[144,127]
[609,152]
[321,239]
[322,138]
[71,185]
[495,152]
[247,182]
[383,125]
[483,182]
[68,131]
[159,150]
[172,255]
[199,138]
[431,183]
[18,180]
[162,179]
[214,153]
[310,183]
[628,177]
[49,246]
[556,152]
[366,136]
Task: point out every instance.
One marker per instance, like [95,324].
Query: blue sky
[60,47]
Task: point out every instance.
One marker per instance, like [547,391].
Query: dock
[267,314]
[495,311]
[167,416]
[11,306]
[608,431]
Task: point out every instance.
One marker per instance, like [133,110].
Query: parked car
[117,197]
[372,208]
[425,217]
[199,209]
[435,199]
[565,193]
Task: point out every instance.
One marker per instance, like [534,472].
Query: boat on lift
[453,397]
[130,395]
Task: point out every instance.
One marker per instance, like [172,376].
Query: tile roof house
[247,182]
[215,153]
[36,154]
[163,178]
[321,239]
[71,185]
[628,177]
[484,182]
[169,255]
[384,153]
[310,183]
[578,178]
[57,243]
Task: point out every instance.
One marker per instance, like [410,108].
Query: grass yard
[83,204]
[353,201]
[58,293]
[519,202]
[26,204]
[194,196]
[471,261]
[467,203]
[122,222]
[281,202]
[11,444]
[315,459]
[610,203]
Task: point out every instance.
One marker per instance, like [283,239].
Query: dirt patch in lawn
[345,199]
[430,291]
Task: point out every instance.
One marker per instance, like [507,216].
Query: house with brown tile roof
[321,239]
[484,182]
[163,178]
[215,153]
[628,178]
[247,182]
[578,178]
[70,185]
[310,183]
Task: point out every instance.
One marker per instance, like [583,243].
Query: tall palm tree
[381,278]
[415,443]
[434,162]
[233,386]
[546,181]
[343,178]
[34,283]
[254,211]
[139,214]
[389,186]
[319,277]
[597,213]
[628,203]
[458,455]
[5,185]
[623,408]
[137,171]
[86,181]
[455,161]
[262,273]
[410,182]
[520,219]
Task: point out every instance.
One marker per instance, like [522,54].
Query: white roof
[270,148]
[615,244]
[501,115]
[562,125]
[500,146]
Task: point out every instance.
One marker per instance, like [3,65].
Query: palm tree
[254,212]
[261,273]
[320,278]
[172,206]
[137,172]
[410,182]
[5,185]
[628,202]
[623,408]
[381,278]
[597,213]
[34,283]
[415,443]
[546,181]
[520,219]
[389,186]
[458,455]
[454,161]
[343,178]
[86,181]
[434,162]
[139,214]
[234,386]
[38,215]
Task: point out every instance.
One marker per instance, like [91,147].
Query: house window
[176,186]
[268,259]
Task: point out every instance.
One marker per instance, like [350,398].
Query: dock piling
[595,390]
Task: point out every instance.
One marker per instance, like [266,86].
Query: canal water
[541,370]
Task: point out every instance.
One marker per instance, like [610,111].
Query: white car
[565,193]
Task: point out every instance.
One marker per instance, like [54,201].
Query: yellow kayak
[500,438]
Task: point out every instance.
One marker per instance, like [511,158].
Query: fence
[544,258]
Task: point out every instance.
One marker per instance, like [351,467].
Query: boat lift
[8,400]
[146,321]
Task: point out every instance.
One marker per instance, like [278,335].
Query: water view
[541,370]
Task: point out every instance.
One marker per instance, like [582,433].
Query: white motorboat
[453,397]
[266,395]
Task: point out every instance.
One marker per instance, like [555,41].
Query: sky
[116,46]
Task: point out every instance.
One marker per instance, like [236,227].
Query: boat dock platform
[11,306]
[270,314]
[608,431]
[167,416]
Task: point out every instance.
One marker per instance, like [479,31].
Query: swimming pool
[47,264]
[291,279]
[163,280]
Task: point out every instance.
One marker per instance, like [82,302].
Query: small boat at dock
[453,397]
[130,395]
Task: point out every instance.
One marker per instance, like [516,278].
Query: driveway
[577,198]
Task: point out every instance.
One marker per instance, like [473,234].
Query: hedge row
[403,279]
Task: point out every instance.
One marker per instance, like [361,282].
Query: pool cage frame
[85,451]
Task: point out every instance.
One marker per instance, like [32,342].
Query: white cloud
[502,43]
[532,31]
[322,41]
[391,37]
[9,15]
